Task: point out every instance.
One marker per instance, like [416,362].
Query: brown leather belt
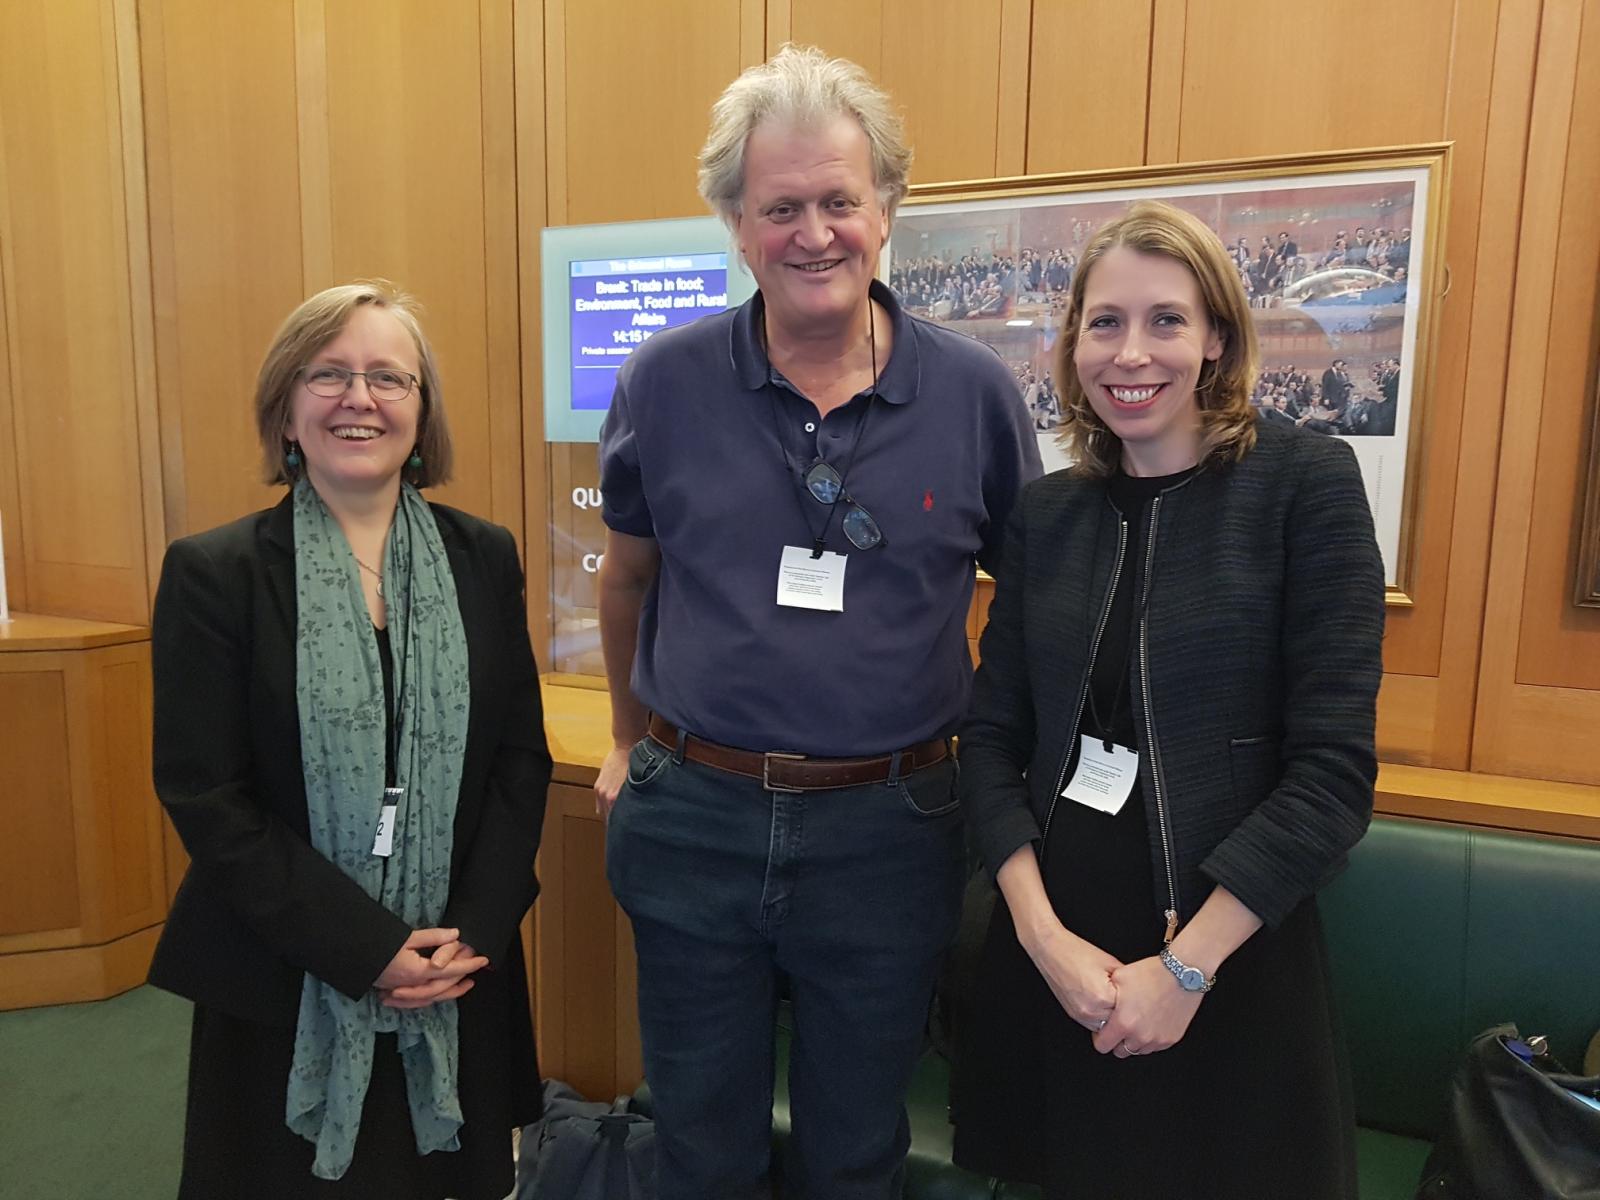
[797,772]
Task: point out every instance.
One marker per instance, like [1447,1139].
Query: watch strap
[1177,966]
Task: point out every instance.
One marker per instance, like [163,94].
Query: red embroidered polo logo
[927,500]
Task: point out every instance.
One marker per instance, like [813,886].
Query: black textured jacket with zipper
[1254,675]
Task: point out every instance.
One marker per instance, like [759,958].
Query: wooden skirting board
[78,973]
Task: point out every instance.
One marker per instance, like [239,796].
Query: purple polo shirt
[691,456]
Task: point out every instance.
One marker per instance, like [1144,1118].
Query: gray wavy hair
[802,87]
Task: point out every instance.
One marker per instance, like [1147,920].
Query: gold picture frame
[993,257]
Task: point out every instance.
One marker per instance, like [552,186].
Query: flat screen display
[618,304]
[608,289]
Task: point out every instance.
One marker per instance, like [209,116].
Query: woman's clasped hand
[415,979]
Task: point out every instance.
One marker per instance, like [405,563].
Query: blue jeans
[852,894]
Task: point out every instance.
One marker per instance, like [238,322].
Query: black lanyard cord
[400,659]
[819,538]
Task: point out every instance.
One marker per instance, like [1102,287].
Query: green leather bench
[1436,932]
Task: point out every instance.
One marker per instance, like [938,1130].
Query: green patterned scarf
[339,686]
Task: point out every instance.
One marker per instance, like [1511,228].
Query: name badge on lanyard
[383,841]
[807,582]
[1105,775]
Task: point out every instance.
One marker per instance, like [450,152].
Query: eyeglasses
[825,486]
[331,382]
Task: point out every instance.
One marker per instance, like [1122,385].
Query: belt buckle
[766,771]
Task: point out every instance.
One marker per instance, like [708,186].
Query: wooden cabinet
[82,873]
[585,987]
[587,1012]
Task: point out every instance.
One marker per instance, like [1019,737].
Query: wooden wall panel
[1558,642]
[1087,107]
[629,91]
[941,62]
[947,63]
[225,238]
[1425,711]
[501,305]
[74,376]
[300,167]
[1260,77]
[850,29]
[409,175]
[1538,696]
[532,209]
[10,494]
[136,221]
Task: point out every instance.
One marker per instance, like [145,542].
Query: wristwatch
[1190,979]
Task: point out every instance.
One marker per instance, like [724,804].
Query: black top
[1097,867]
[1110,688]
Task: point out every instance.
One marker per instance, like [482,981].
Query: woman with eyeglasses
[1170,749]
[348,738]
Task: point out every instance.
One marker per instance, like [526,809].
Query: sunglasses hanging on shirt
[826,485]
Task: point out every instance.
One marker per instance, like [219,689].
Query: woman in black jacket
[1170,749]
[348,738]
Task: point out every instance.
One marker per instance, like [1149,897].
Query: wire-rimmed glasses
[826,487]
[385,383]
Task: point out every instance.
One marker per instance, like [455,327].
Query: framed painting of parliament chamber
[1340,255]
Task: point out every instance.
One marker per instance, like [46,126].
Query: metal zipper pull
[1172,926]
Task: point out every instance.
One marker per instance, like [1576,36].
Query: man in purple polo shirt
[795,495]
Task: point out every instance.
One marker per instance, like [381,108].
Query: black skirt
[236,1144]
[1253,1104]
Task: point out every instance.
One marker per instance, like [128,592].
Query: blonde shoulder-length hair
[1227,419]
[307,330]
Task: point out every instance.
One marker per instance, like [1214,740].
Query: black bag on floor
[586,1150]
[1518,1126]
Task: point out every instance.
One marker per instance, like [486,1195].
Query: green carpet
[91,1098]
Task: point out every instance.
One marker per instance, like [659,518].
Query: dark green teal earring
[292,458]
[415,461]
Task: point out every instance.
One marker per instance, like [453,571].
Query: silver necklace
[378,575]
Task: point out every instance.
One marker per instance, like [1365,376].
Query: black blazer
[1265,614]
[259,906]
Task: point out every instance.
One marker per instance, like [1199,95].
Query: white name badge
[383,842]
[806,582]
[1104,778]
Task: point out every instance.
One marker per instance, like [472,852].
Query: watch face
[1192,979]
